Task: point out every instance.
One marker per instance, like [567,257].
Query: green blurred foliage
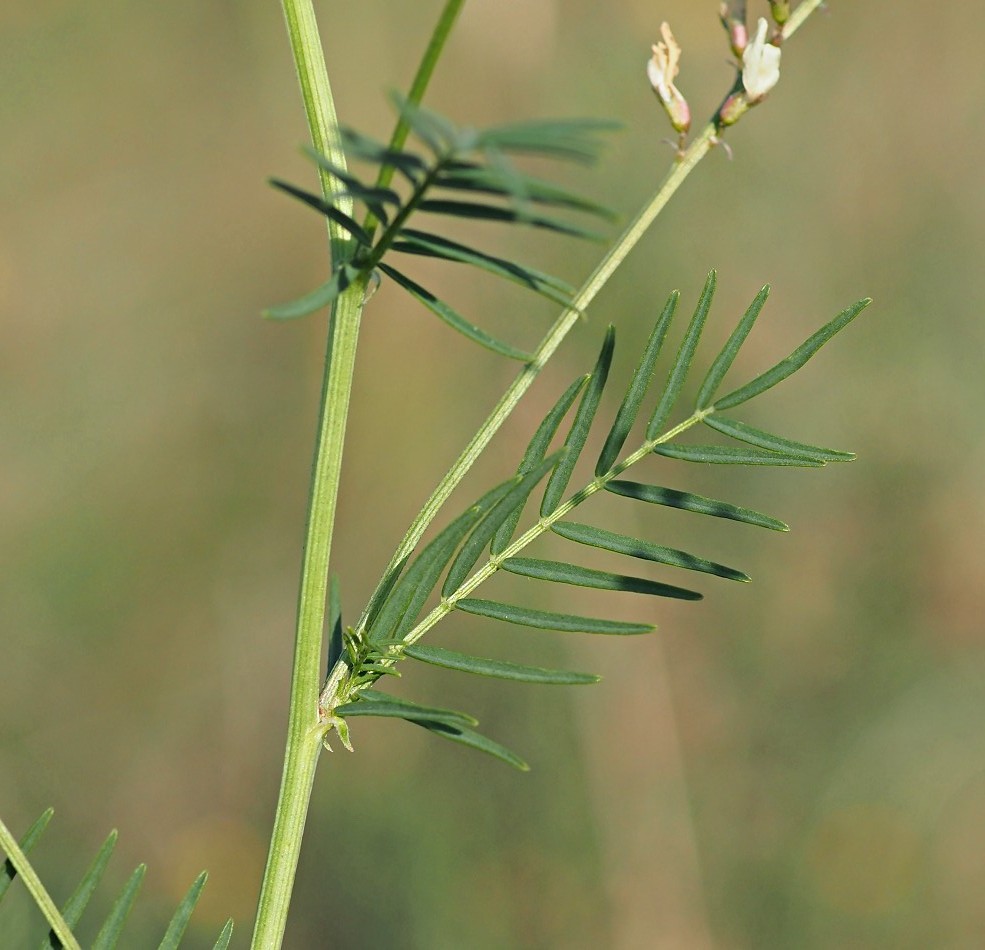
[795,763]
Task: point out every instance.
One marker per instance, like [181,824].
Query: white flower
[760,64]
[662,70]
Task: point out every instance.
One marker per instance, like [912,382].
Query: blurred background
[799,762]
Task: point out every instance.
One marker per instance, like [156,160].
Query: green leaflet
[435,131]
[546,620]
[475,740]
[393,708]
[7,870]
[579,427]
[455,320]
[635,547]
[225,936]
[431,245]
[76,904]
[723,362]
[179,921]
[327,209]
[320,297]
[655,495]
[638,386]
[471,177]
[566,139]
[794,361]
[730,455]
[561,573]
[485,212]
[678,373]
[481,666]
[409,164]
[112,927]
[408,595]
[334,617]
[382,591]
[536,450]
[484,531]
[774,443]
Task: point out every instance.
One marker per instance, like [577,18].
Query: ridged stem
[304,732]
[305,729]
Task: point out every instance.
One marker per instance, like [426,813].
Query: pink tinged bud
[733,109]
[662,70]
[738,37]
[760,65]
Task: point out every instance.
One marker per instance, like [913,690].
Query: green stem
[696,151]
[305,726]
[10,847]
[304,732]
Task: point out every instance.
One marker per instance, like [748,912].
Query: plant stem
[696,151]
[305,729]
[304,732]
[10,847]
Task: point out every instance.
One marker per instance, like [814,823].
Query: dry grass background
[795,763]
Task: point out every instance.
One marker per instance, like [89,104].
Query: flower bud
[662,70]
[735,26]
[733,109]
[781,11]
